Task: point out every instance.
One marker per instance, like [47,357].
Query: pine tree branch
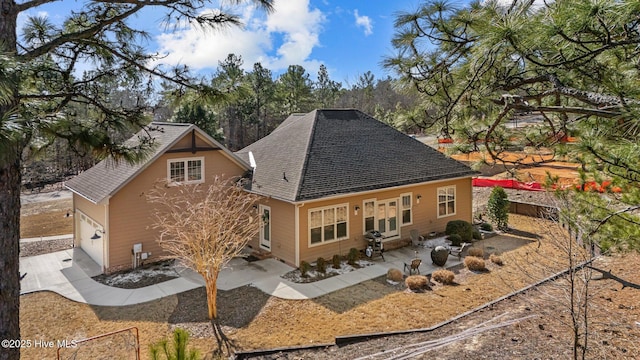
[75,36]
[609,275]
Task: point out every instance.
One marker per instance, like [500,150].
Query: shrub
[417,283]
[460,227]
[444,277]
[485,226]
[474,263]
[496,259]
[353,256]
[394,275]
[455,239]
[178,350]
[498,208]
[304,268]
[321,265]
[477,252]
[476,234]
[336,260]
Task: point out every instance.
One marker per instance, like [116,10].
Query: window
[405,203]
[328,224]
[446,201]
[186,171]
[369,215]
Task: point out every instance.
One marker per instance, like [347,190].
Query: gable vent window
[185,171]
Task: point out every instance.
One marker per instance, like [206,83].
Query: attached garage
[87,229]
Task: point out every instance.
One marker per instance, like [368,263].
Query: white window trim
[455,201]
[364,227]
[186,170]
[402,209]
[323,242]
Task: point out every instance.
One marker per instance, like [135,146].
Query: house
[326,178]
[112,221]
[330,176]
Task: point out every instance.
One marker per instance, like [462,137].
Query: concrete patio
[69,273]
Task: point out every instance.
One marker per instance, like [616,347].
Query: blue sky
[350,37]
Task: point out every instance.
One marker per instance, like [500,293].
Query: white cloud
[285,37]
[364,22]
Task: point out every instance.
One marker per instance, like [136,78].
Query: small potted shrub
[353,256]
[496,259]
[336,260]
[304,269]
[417,283]
[455,239]
[443,276]
[321,265]
[477,252]
[474,263]
[485,226]
[394,275]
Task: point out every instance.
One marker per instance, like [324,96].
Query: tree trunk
[212,291]
[10,260]
[9,201]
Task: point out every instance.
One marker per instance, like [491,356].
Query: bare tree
[205,228]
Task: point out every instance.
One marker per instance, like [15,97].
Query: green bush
[321,265]
[455,239]
[485,226]
[304,268]
[460,227]
[476,234]
[336,260]
[498,208]
[353,256]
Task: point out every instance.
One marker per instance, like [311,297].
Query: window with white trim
[186,171]
[369,215]
[328,224]
[406,203]
[446,201]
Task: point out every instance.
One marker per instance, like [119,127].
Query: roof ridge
[306,155]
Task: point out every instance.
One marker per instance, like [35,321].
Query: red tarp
[535,186]
[507,184]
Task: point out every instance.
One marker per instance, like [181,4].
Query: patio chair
[416,238]
[413,266]
[457,250]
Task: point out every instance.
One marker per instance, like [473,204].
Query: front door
[388,217]
[265,229]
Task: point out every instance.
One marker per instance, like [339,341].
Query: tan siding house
[326,178]
[112,213]
[330,176]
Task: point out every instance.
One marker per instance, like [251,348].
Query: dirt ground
[46,218]
[254,320]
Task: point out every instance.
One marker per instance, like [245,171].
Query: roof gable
[331,152]
[105,178]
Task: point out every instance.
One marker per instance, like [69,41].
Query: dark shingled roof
[105,178]
[332,152]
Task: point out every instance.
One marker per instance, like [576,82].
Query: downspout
[297,234]
[105,243]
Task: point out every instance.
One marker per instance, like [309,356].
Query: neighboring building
[330,176]
[109,200]
[326,177]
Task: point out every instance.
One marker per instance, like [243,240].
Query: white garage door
[93,247]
